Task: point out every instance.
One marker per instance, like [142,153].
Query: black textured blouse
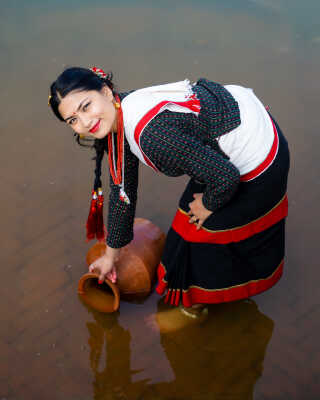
[178,144]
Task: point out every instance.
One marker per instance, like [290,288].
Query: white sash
[141,106]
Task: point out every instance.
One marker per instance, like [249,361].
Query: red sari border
[190,233]
[198,295]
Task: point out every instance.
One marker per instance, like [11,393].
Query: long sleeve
[172,142]
[121,215]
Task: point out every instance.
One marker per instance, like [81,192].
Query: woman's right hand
[105,267]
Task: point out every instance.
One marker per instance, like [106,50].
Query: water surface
[54,347]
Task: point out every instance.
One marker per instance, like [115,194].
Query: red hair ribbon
[101,231]
[95,225]
[92,218]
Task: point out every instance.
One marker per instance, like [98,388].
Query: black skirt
[239,251]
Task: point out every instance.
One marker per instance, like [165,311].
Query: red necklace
[116,176]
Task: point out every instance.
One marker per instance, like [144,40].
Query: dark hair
[75,79]
[78,79]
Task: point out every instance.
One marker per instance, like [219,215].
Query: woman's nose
[86,120]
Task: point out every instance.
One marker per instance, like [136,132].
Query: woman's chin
[100,135]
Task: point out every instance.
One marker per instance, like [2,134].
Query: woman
[227,238]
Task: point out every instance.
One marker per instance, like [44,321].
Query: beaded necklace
[117,168]
[116,171]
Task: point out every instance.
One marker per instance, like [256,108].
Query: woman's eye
[72,121]
[85,107]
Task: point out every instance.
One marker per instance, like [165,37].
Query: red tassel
[92,218]
[101,235]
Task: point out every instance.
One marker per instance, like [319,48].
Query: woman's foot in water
[197,311]
[174,319]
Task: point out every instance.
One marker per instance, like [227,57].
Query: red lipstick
[95,128]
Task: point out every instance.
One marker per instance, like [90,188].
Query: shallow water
[54,347]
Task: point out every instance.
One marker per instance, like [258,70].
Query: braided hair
[78,79]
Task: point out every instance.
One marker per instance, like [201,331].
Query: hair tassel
[101,231]
[92,218]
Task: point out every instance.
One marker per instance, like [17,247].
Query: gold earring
[116,105]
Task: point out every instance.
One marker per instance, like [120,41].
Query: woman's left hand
[198,213]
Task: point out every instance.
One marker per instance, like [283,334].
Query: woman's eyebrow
[80,105]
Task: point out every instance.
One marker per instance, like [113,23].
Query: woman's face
[90,113]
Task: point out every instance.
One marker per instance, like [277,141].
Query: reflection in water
[110,354]
[112,374]
[221,359]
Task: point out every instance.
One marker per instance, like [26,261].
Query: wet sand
[51,345]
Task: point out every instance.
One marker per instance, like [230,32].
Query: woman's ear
[107,92]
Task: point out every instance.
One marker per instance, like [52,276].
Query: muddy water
[54,347]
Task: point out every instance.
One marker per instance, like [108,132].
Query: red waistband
[190,233]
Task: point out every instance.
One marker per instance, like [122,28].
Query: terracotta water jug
[136,269]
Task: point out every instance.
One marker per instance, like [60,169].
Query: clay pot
[136,269]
